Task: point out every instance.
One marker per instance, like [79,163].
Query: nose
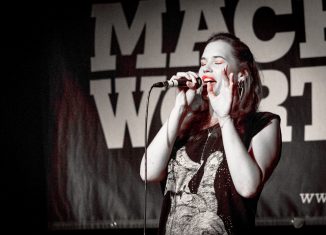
[207,69]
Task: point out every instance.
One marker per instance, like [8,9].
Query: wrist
[179,109]
[223,120]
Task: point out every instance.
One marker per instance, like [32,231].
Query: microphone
[181,82]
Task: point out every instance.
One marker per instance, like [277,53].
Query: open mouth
[208,79]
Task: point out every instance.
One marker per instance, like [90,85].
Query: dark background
[24,169]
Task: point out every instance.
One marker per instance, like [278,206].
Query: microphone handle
[181,82]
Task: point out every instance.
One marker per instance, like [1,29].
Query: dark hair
[247,104]
[243,107]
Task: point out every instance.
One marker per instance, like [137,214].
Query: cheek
[200,72]
[218,70]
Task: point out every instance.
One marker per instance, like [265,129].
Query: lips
[208,78]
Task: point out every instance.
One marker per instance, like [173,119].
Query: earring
[240,89]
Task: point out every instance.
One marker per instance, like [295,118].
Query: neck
[211,120]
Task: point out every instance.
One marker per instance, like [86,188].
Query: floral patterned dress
[199,195]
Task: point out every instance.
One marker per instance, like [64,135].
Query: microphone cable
[146,142]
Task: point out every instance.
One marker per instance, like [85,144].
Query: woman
[215,154]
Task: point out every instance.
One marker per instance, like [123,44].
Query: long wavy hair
[244,105]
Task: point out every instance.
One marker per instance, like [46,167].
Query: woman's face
[216,57]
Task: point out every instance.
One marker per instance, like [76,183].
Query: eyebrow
[215,57]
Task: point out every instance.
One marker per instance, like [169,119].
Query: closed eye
[219,61]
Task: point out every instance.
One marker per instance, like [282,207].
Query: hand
[186,96]
[221,103]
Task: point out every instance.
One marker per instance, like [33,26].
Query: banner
[103,59]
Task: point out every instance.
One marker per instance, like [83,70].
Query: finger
[210,90]
[225,78]
[231,79]
[193,77]
[190,84]
[174,77]
[183,74]
[198,79]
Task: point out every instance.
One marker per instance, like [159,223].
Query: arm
[249,169]
[159,150]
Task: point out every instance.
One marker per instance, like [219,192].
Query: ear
[242,75]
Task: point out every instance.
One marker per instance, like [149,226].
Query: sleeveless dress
[199,195]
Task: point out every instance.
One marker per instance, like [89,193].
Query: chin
[205,97]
